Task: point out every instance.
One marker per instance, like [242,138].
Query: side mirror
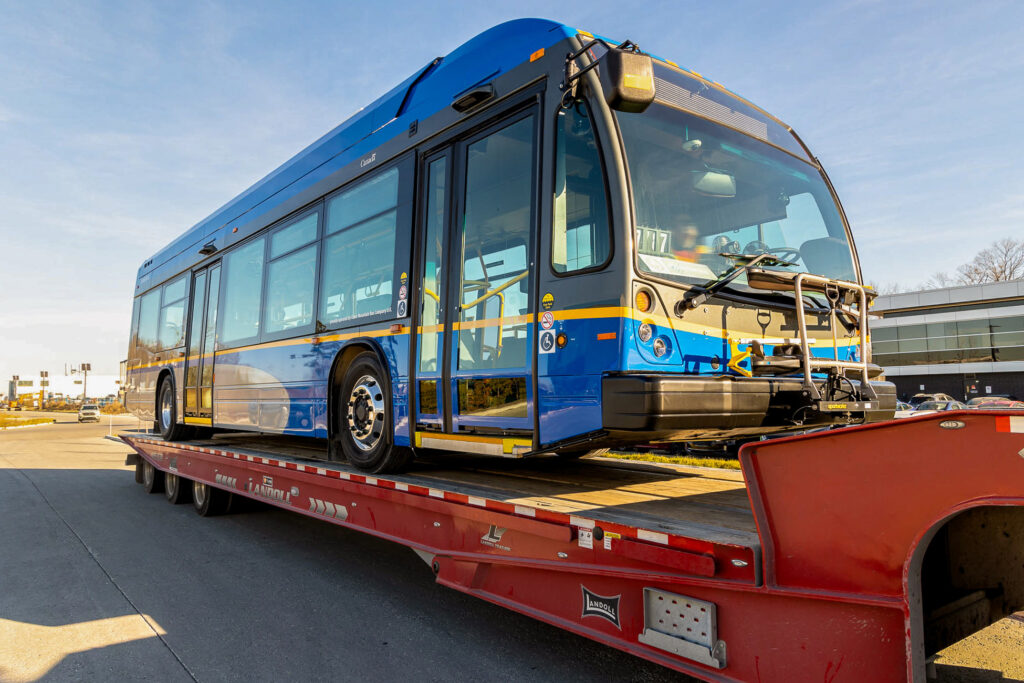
[627,79]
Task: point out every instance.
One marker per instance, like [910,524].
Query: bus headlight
[645,332]
[660,348]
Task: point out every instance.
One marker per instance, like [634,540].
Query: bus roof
[427,91]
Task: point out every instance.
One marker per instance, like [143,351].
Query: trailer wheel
[152,478]
[176,488]
[138,471]
[209,501]
[167,415]
[364,419]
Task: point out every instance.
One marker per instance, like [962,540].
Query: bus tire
[177,489]
[152,478]
[167,414]
[364,419]
[209,501]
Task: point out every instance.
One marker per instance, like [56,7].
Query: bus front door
[202,335]
[475,359]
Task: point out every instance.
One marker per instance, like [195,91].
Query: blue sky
[123,124]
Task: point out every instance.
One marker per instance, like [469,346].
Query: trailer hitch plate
[683,626]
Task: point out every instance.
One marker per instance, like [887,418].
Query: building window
[963,341]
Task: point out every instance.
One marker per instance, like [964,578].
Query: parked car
[903,409]
[89,412]
[918,399]
[995,403]
[935,406]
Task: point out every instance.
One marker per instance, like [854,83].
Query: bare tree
[884,288]
[1004,260]
[939,280]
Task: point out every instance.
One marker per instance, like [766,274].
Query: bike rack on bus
[835,292]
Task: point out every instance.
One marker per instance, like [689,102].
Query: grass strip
[6,421]
[691,460]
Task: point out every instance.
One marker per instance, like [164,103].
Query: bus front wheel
[364,420]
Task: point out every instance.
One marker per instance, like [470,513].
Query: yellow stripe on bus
[603,312]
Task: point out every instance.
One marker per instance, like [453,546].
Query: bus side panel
[569,378]
[394,348]
[396,351]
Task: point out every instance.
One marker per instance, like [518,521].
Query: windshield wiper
[694,299]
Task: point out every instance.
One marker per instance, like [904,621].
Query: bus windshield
[706,194]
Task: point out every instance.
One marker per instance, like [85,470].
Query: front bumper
[688,406]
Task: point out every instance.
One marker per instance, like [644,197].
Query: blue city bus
[543,242]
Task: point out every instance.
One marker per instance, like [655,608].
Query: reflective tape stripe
[1010,423]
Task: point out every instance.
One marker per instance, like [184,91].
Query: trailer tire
[177,488]
[364,421]
[209,501]
[152,478]
[138,471]
[167,414]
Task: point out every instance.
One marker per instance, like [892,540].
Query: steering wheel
[793,254]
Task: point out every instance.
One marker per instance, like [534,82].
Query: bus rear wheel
[209,501]
[364,421]
[167,414]
[177,489]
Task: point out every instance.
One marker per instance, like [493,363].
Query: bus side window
[359,251]
[133,342]
[242,287]
[291,276]
[172,314]
[581,236]
[149,319]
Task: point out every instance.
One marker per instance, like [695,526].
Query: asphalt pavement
[101,581]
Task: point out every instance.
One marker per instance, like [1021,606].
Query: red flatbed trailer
[824,560]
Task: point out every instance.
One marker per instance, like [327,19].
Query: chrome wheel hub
[199,493]
[366,412]
[166,403]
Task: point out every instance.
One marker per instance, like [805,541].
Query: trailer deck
[817,561]
[693,508]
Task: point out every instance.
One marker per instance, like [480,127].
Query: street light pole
[86,367]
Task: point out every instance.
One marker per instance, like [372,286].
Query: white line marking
[529,512]
[435,493]
[653,536]
[401,487]
[581,522]
[479,502]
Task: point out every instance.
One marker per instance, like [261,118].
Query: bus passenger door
[477,322]
[202,334]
